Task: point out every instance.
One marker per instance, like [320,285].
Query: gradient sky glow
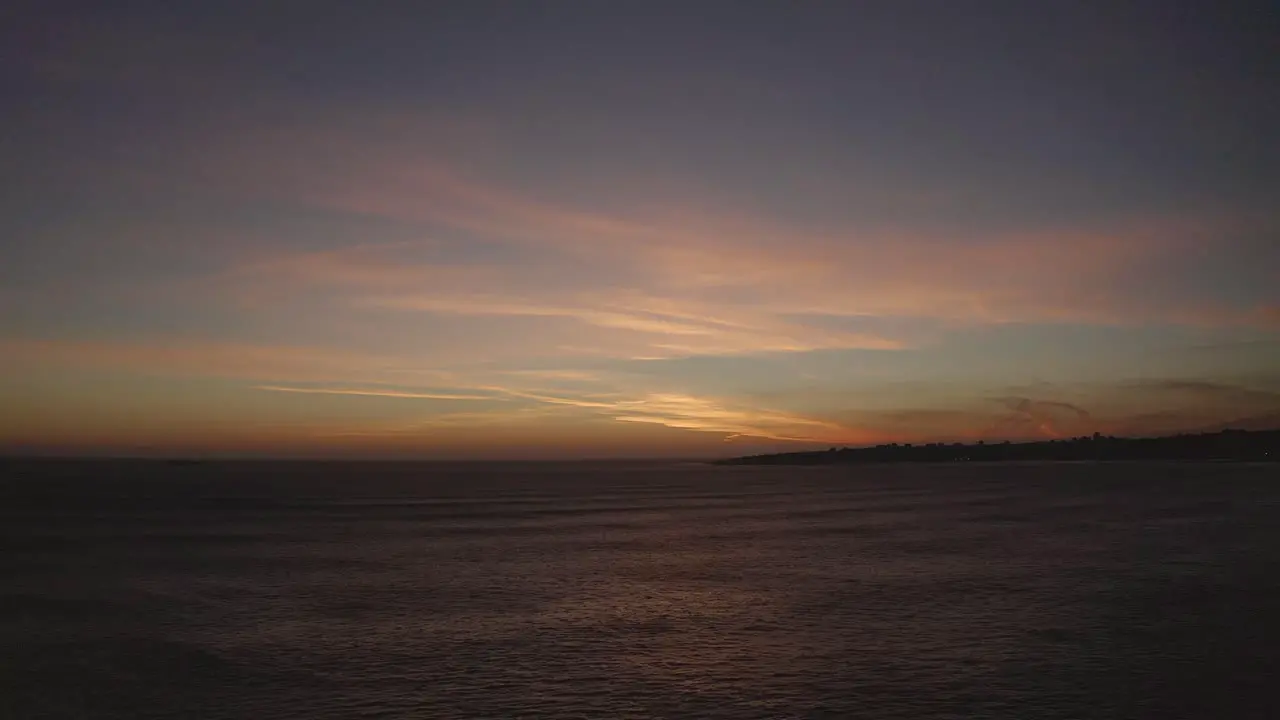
[590,229]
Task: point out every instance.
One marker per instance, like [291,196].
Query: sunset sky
[588,228]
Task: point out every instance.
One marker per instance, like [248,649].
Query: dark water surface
[143,590]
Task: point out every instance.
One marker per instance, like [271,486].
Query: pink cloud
[710,261]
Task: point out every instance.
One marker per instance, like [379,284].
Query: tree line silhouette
[1227,445]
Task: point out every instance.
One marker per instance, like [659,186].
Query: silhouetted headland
[1227,445]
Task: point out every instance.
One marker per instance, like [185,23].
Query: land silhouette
[1225,445]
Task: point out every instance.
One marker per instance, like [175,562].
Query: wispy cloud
[1206,393]
[587,401]
[732,420]
[687,332]
[726,418]
[639,279]
[422,428]
[374,393]
[1049,418]
[576,376]
[670,271]
[216,359]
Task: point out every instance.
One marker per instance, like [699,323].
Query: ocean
[638,590]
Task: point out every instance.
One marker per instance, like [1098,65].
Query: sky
[580,229]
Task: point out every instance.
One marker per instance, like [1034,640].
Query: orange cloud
[673,410]
[232,360]
[708,415]
[374,393]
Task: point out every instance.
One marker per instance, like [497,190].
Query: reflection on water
[452,591]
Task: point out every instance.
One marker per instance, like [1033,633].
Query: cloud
[758,270]
[709,415]
[724,416]
[561,403]
[497,305]
[608,267]
[482,268]
[422,428]
[1206,393]
[579,376]
[214,359]
[1048,418]
[1138,407]
[697,329]
[628,320]
[576,402]
[374,393]
[598,400]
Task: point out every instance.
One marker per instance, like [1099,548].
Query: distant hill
[1224,445]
